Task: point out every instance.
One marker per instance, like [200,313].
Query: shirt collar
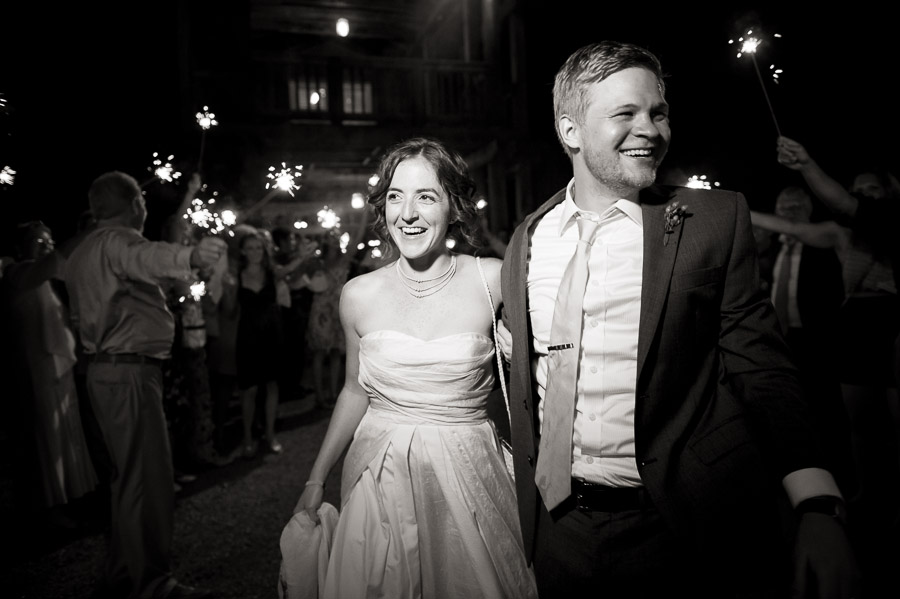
[569,210]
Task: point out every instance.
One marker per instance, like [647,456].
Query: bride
[428,508]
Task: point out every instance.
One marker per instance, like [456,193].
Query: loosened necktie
[553,474]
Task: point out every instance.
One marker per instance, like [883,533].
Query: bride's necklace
[416,288]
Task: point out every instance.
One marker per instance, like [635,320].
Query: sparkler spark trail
[775,72]
[750,46]
[7,176]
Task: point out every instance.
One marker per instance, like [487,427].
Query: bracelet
[310,483]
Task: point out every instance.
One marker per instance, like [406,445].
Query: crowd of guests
[829,258]
[267,308]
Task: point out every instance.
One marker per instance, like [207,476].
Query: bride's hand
[504,340]
[310,501]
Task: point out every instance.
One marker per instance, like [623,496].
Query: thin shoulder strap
[487,290]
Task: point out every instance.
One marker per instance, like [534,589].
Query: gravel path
[228,525]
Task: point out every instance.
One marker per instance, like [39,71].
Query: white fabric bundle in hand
[305,547]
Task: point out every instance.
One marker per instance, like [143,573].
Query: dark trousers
[629,554]
[127,401]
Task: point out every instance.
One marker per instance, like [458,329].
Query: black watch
[824,504]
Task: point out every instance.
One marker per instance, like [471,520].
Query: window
[307,88]
[357,89]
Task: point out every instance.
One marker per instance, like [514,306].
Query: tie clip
[560,346]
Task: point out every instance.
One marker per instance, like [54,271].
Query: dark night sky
[93,89]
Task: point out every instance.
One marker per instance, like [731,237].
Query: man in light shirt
[113,276]
[690,433]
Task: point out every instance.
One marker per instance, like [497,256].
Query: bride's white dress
[427,506]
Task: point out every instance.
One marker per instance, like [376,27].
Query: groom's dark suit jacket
[719,416]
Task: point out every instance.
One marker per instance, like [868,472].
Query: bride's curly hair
[453,175]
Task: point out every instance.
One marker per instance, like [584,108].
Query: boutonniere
[675,213]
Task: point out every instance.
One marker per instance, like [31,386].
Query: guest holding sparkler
[113,277]
[869,326]
[187,398]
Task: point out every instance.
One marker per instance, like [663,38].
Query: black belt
[125,359]
[591,497]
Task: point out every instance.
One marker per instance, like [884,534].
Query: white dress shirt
[603,442]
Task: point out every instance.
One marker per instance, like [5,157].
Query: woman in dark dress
[259,339]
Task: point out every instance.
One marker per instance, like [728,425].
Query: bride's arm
[351,405]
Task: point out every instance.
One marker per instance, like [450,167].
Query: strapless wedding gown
[428,508]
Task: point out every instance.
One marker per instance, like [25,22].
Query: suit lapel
[659,260]
[515,271]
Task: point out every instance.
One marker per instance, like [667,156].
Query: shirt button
[594,369]
[592,417]
[589,460]
[594,323]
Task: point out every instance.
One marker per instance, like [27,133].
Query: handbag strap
[497,352]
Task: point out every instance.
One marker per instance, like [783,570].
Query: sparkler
[283,180]
[7,176]
[206,120]
[198,290]
[328,218]
[164,171]
[749,46]
[700,182]
[208,222]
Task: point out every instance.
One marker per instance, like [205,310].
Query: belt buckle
[580,500]
[579,505]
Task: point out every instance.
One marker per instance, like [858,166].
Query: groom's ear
[569,132]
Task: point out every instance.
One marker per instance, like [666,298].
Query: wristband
[824,504]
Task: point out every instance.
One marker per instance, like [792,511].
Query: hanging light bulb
[343,27]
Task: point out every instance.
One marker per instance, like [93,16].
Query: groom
[657,424]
